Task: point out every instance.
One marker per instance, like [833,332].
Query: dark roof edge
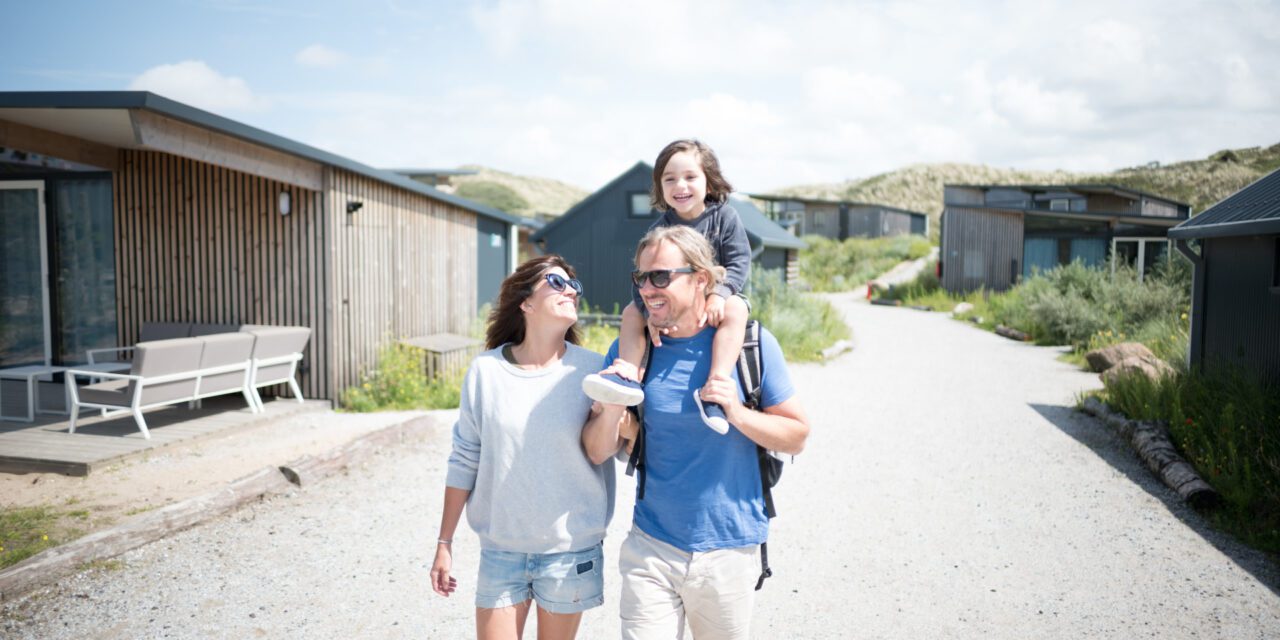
[1080,186]
[199,117]
[1065,214]
[827,201]
[1264,227]
[598,193]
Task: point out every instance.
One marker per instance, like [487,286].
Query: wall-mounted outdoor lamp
[352,207]
[284,203]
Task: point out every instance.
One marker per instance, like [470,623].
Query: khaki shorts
[664,587]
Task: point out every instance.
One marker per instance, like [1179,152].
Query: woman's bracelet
[444,541]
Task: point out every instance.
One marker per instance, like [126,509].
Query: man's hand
[723,391]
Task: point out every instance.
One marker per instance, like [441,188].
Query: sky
[787,93]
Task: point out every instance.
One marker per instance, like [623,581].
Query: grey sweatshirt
[517,447]
[722,227]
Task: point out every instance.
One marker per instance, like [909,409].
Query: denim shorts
[568,582]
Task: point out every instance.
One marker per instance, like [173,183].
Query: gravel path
[948,491]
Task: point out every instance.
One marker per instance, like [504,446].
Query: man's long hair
[695,248]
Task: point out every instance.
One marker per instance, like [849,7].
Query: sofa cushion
[274,342]
[198,330]
[166,357]
[163,331]
[221,350]
[116,393]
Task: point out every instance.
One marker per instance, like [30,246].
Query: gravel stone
[948,490]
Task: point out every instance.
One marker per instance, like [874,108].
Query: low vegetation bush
[1079,306]
[804,325]
[1226,424]
[841,265]
[399,383]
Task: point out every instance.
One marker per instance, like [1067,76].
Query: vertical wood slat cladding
[402,266]
[205,244]
[989,237]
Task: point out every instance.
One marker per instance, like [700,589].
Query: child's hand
[715,309]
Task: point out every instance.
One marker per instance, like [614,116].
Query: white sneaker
[612,388]
[712,415]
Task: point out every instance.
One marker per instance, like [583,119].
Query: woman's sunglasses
[559,282]
[660,277]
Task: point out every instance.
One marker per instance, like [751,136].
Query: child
[689,188]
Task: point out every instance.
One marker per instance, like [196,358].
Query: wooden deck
[45,446]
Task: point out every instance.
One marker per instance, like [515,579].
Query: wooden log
[1150,440]
[308,470]
[50,564]
[1012,334]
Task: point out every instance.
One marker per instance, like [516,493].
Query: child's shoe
[712,414]
[612,388]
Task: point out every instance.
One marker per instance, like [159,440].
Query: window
[640,207]
[1275,267]
[1059,204]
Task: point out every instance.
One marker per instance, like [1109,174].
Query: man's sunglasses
[559,282]
[660,277]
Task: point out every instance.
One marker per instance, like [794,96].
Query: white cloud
[195,83]
[1026,103]
[806,92]
[319,56]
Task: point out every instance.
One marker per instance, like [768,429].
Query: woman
[537,503]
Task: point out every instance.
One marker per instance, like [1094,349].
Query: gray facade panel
[981,248]
[1241,306]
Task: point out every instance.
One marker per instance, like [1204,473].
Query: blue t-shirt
[702,489]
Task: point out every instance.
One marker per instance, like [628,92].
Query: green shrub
[804,325]
[1227,425]
[925,285]
[841,265]
[398,383]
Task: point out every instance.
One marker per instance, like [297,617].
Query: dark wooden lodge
[1235,299]
[839,219]
[992,236]
[598,236]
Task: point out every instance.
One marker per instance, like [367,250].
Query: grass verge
[1227,425]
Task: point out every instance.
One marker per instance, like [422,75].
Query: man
[693,550]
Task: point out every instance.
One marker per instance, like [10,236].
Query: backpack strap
[750,366]
[750,377]
[636,460]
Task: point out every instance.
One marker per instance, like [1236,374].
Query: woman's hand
[441,582]
[715,309]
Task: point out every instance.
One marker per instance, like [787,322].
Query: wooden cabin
[1235,298]
[993,236]
[598,236]
[840,219]
[121,208]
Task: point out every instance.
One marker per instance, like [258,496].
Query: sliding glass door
[24,275]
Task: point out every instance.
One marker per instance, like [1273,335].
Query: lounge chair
[167,372]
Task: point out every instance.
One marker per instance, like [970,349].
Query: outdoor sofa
[186,369]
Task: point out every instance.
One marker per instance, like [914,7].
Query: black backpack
[750,373]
